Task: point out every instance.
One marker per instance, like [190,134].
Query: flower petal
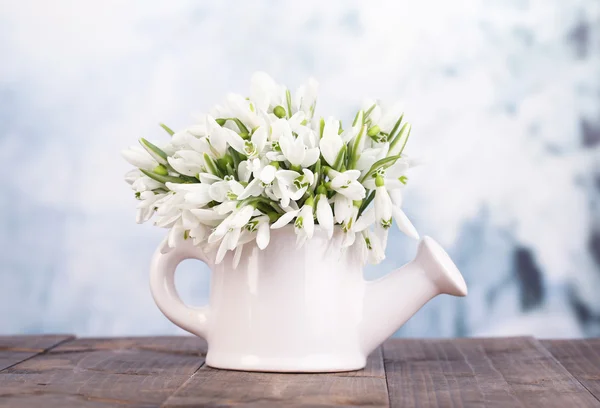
[404,223]
[325,214]
[285,219]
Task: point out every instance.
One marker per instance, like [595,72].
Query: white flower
[250,148]
[264,174]
[296,150]
[306,98]
[229,230]
[145,183]
[265,92]
[146,208]
[394,176]
[285,219]
[139,158]
[404,223]
[245,110]
[375,251]
[304,225]
[331,143]
[347,184]
[383,206]
[188,162]
[325,214]
[196,194]
[263,233]
[291,185]
[342,206]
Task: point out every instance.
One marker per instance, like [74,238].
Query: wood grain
[103,372]
[210,387]
[581,358]
[14,349]
[515,372]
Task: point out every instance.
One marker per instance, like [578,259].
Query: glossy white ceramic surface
[300,310]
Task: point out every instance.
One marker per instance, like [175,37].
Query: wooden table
[61,371]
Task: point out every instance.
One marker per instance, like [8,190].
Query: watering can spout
[393,299]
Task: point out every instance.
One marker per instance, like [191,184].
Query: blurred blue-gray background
[504,98]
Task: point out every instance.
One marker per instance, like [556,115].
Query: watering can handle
[162,285]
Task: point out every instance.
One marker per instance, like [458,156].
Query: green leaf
[368,112]
[339,160]
[358,118]
[321,128]
[162,179]
[288,99]
[156,153]
[366,202]
[317,169]
[211,166]
[356,147]
[167,129]
[385,162]
[397,145]
[240,125]
[396,126]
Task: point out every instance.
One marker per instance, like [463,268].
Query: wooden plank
[14,349]
[516,372]
[581,358]
[211,387]
[103,372]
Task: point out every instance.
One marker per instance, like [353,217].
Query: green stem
[366,203]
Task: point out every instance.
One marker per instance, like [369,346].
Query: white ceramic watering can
[300,310]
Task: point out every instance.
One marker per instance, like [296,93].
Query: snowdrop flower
[304,225]
[245,110]
[260,225]
[145,183]
[404,223]
[394,177]
[347,184]
[383,204]
[307,98]
[229,230]
[265,92]
[249,148]
[145,208]
[373,247]
[139,158]
[324,212]
[196,194]
[188,162]
[331,143]
[342,206]
[296,151]
[291,185]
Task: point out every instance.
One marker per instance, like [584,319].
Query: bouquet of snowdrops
[262,162]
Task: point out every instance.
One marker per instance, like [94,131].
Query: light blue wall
[504,97]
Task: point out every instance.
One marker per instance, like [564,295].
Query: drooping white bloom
[265,92]
[139,158]
[306,98]
[404,223]
[296,150]
[325,214]
[291,185]
[383,205]
[304,224]
[331,143]
[347,184]
[188,162]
